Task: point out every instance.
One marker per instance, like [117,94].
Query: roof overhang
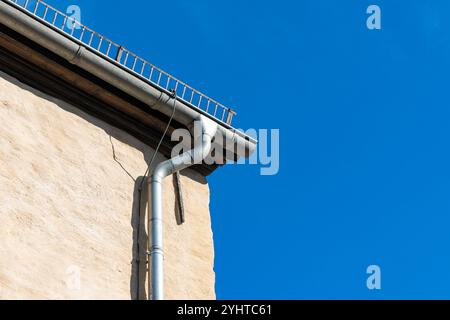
[56,64]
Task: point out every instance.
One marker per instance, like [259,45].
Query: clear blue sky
[365,137]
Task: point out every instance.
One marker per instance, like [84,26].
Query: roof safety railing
[138,66]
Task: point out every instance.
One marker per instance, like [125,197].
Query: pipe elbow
[162,170]
[197,155]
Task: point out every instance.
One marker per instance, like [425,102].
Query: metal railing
[138,66]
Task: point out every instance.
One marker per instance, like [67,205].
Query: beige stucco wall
[68,208]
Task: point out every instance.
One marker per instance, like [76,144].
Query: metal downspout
[196,155]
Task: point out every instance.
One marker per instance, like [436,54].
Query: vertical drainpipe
[201,150]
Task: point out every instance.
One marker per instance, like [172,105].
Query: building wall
[70,210]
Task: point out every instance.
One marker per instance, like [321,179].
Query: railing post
[36,6]
[231,114]
[119,54]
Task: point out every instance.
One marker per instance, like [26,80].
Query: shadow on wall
[140,240]
[139,265]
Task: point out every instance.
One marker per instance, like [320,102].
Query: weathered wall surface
[68,207]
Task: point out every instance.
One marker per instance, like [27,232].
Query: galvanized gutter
[30,25]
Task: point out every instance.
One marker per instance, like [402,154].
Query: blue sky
[364,123]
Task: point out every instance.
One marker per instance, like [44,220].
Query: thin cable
[162,138]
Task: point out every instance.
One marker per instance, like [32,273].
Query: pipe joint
[78,55]
[155,250]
